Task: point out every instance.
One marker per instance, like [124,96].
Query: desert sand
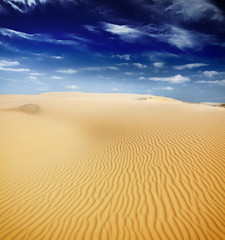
[110,166]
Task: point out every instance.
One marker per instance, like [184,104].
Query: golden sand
[109,166]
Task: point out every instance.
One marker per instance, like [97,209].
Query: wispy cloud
[35,80]
[35,74]
[178,37]
[175,79]
[168,88]
[196,10]
[182,38]
[158,64]
[99,68]
[139,65]
[57,57]
[91,28]
[9,66]
[24,6]
[128,73]
[37,37]
[126,33]
[142,78]
[211,74]
[190,66]
[122,64]
[56,77]
[157,56]
[115,89]
[215,83]
[71,87]
[6,63]
[163,88]
[123,57]
[67,71]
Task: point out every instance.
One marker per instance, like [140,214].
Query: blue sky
[174,48]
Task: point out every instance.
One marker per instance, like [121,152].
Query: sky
[172,48]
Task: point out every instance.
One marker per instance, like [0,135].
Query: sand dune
[108,166]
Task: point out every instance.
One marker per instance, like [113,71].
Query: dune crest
[104,166]
[164,99]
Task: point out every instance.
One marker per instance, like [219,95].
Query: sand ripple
[103,167]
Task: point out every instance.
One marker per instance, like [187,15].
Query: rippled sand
[110,166]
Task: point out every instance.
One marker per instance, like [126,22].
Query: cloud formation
[139,65]
[210,74]
[67,71]
[56,77]
[9,66]
[123,57]
[190,66]
[126,33]
[158,64]
[215,83]
[195,10]
[175,79]
[99,68]
[163,88]
[25,6]
[36,37]
[71,87]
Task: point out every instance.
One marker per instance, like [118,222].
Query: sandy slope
[104,166]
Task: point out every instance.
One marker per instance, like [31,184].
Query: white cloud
[158,64]
[122,64]
[125,32]
[6,65]
[216,82]
[194,10]
[67,71]
[36,37]
[119,29]
[11,33]
[57,57]
[210,73]
[190,66]
[56,77]
[90,28]
[35,74]
[174,79]
[179,37]
[111,68]
[99,68]
[163,88]
[33,78]
[15,69]
[123,57]
[72,87]
[25,5]
[168,88]
[128,73]
[139,65]
[157,56]
[115,89]
[142,78]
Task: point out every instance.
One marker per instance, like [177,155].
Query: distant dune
[110,166]
[213,104]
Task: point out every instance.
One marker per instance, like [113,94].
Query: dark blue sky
[174,48]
